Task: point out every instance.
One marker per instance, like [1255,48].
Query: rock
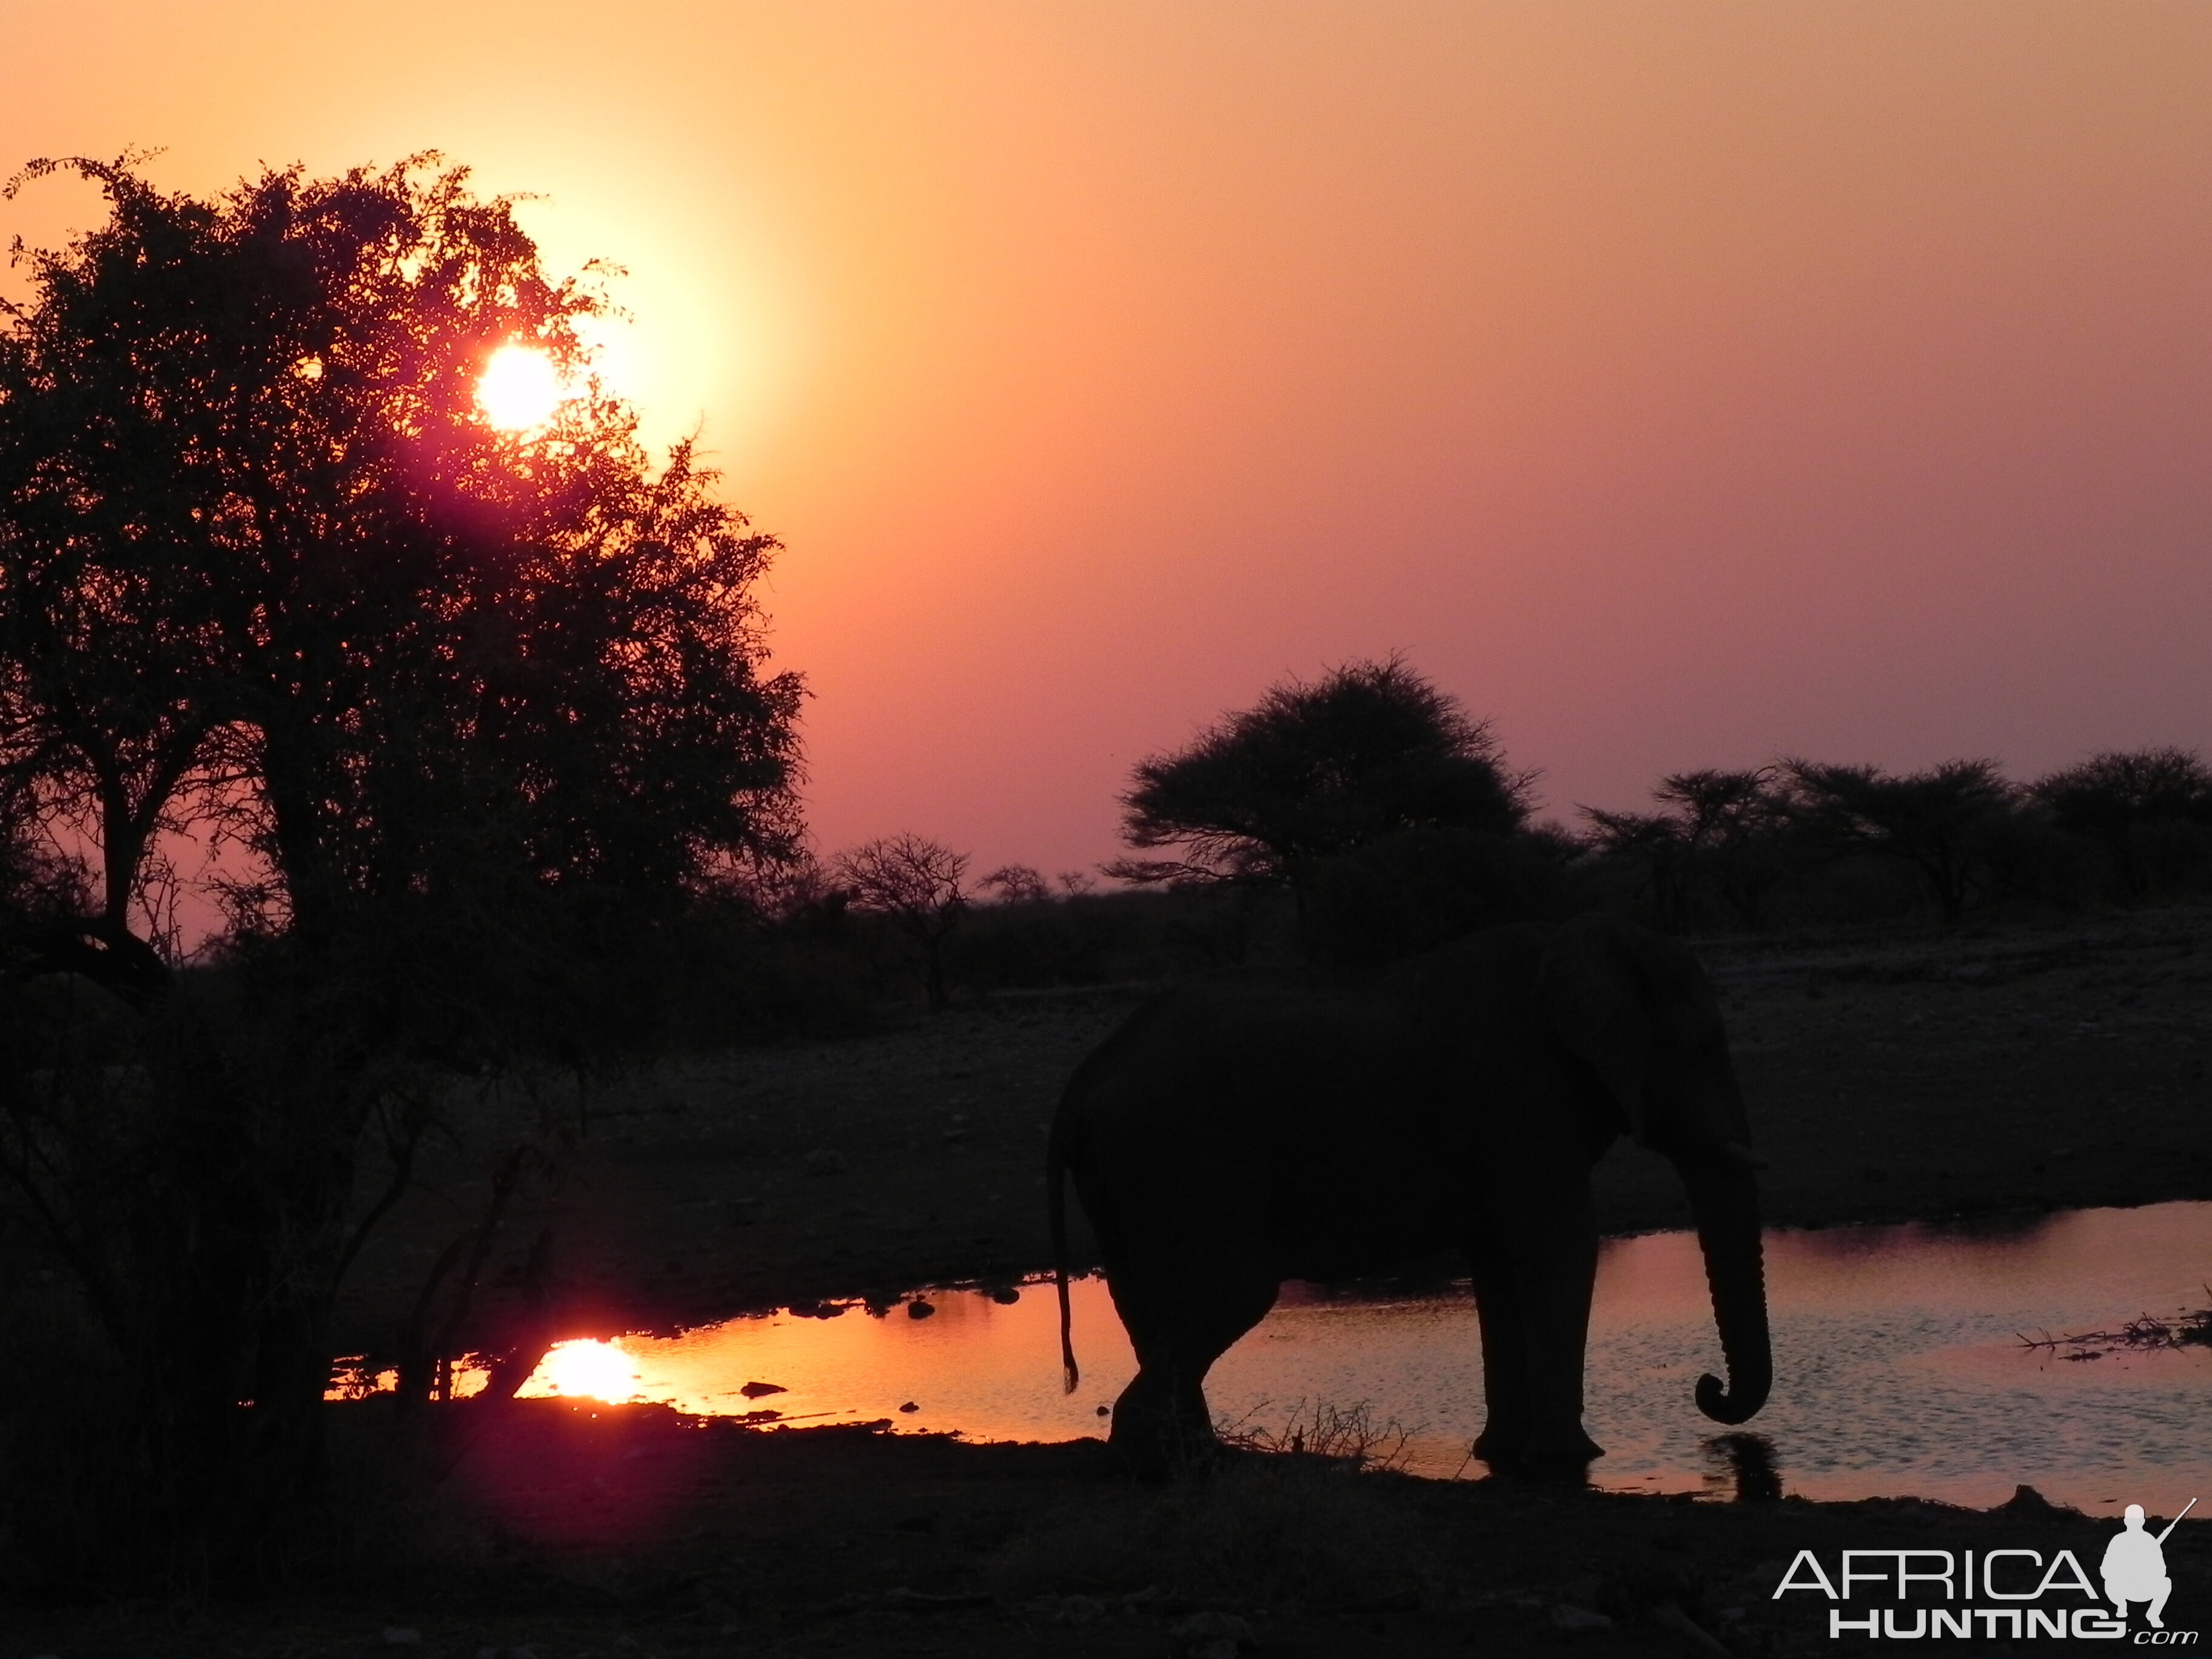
[755,1390]
[909,1407]
[744,1212]
[1079,1610]
[401,1636]
[918,1309]
[1567,1616]
[1211,1635]
[822,1161]
[1668,1615]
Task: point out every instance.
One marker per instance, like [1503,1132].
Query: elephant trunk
[1724,1199]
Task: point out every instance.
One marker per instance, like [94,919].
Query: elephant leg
[1535,1259]
[1178,1328]
[1498,1306]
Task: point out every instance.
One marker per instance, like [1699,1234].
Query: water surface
[1899,1363]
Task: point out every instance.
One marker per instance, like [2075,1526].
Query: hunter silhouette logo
[2025,1596]
[2135,1565]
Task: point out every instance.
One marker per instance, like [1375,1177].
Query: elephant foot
[1156,1447]
[1502,1459]
[1531,1459]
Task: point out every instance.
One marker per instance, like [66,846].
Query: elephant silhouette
[1242,1130]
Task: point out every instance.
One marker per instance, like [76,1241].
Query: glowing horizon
[1679,387]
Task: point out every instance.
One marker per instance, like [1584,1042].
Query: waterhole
[1900,1367]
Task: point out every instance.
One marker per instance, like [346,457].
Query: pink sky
[1677,383]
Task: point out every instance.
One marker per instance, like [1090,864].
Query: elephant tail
[1055,1186]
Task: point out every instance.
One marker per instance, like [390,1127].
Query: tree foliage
[1316,771]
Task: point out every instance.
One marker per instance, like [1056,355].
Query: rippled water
[1898,1366]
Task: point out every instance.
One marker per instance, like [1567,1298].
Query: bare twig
[2193,1328]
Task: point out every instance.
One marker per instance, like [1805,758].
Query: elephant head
[1635,1007]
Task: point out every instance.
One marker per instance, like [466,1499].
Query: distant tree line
[1389,819]
[1363,815]
[1801,840]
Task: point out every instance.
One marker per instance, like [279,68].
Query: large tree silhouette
[263,563]
[487,705]
[1313,771]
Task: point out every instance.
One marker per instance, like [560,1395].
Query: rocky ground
[1891,1076]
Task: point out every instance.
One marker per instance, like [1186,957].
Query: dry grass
[1347,1435]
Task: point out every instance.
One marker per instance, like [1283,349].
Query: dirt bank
[1892,1077]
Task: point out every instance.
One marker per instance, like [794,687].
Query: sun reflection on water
[585,1368]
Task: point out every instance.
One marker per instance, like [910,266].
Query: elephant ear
[1589,993]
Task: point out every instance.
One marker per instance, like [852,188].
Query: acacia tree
[1938,821]
[1659,847]
[915,882]
[484,702]
[1721,829]
[2115,797]
[1316,771]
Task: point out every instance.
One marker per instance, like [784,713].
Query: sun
[595,1370]
[519,389]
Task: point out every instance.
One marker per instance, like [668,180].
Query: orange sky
[1678,383]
